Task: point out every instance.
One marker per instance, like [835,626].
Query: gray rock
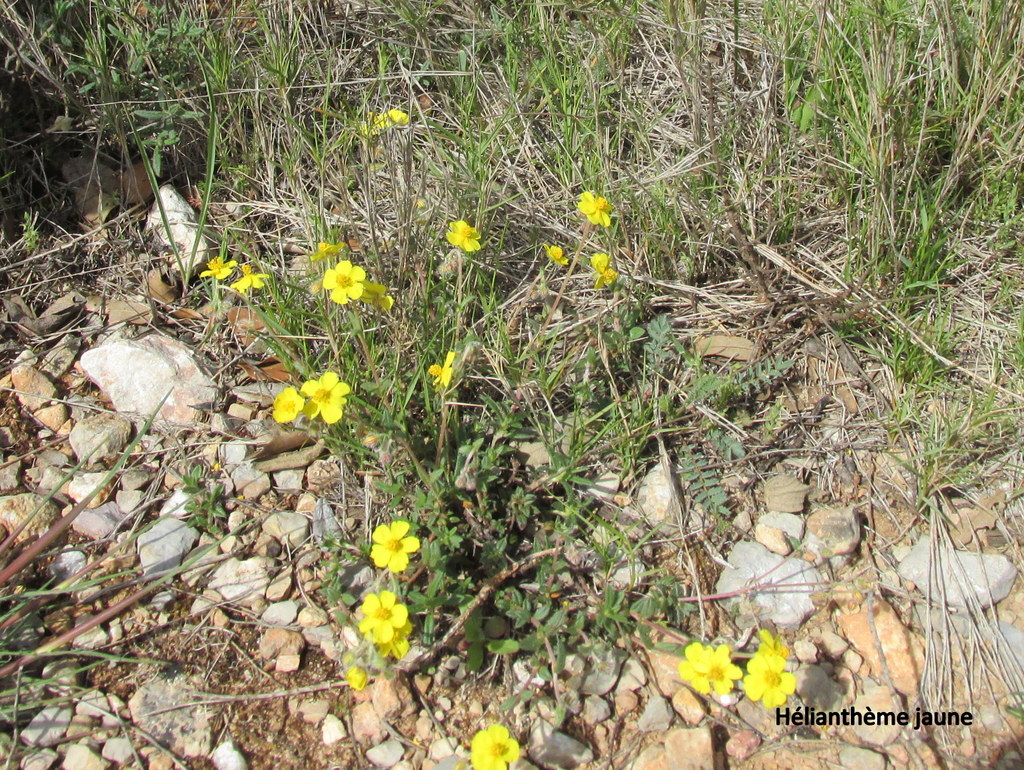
[249,481]
[233,453]
[657,715]
[325,523]
[159,707]
[228,757]
[163,545]
[602,671]
[877,698]
[66,564]
[287,527]
[101,437]
[290,480]
[986,578]
[595,710]
[137,374]
[817,688]
[81,757]
[173,221]
[10,474]
[41,759]
[387,754]
[753,565]
[47,727]
[633,676]
[280,613]
[555,749]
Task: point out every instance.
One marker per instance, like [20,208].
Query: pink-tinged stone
[903,650]
[137,374]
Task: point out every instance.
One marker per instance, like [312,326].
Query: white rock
[137,374]
[100,437]
[84,484]
[387,754]
[288,527]
[656,499]
[775,530]
[176,224]
[862,759]
[118,750]
[175,504]
[162,546]
[333,730]
[41,759]
[161,708]
[47,727]
[987,578]
[753,565]
[595,710]
[228,757]
[242,581]
[81,757]
[67,564]
[280,613]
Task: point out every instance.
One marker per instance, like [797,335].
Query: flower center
[715,673]
[383,614]
[498,749]
[772,679]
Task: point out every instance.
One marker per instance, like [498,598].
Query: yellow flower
[768,681]
[602,267]
[398,647]
[218,268]
[345,282]
[376,123]
[771,645]
[324,250]
[249,280]
[443,374]
[356,677]
[463,235]
[377,295]
[706,667]
[287,405]
[596,209]
[493,749]
[383,616]
[556,254]
[326,397]
[392,547]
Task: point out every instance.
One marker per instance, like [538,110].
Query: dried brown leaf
[725,346]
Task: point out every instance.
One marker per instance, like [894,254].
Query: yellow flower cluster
[347,282]
[709,668]
[375,123]
[598,211]
[392,546]
[767,679]
[220,270]
[326,400]
[386,623]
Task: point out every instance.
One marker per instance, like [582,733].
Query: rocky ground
[248,652]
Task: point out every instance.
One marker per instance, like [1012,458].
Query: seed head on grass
[218,268]
[493,749]
[706,667]
[383,618]
[443,374]
[345,281]
[249,280]
[556,254]
[605,275]
[463,235]
[392,546]
[287,405]
[595,208]
[326,397]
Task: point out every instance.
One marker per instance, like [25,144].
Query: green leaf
[503,646]
[475,657]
